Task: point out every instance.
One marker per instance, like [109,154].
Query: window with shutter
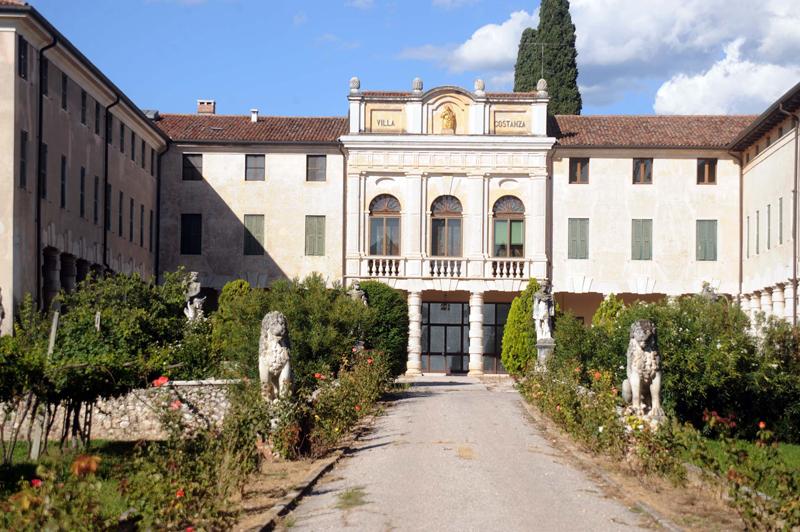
[193,167]
[578,238]
[579,170]
[315,235]
[642,239]
[254,168]
[253,234]
[706,235]
[22,57]
[642,171]
[316,167]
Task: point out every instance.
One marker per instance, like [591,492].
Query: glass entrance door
[445,337]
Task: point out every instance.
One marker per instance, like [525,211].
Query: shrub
[387,330]
[519,337]
[236,326]
[607,314]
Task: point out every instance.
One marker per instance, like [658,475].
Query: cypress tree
[560,65]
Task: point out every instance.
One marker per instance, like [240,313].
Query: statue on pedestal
[194,304]
[357,294]
[543,313]
[642,388]
[274,368]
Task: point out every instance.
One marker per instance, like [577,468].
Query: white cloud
[360,4]
[626,45]
[731,85]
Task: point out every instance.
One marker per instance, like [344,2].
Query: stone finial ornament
[357,294]
[480,87]
[355,85]
[416,85]
[642,388]
[541,88]
[274,368]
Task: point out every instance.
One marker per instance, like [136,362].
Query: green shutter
[647,239]
[309,235]
[636,240]
[253,234]
[712,240]
[315,235]
[320,235]
[706,240]
[572,246]
[583,238]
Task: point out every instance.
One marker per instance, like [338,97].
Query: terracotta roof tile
[268,129]
[12,3]
[659,131]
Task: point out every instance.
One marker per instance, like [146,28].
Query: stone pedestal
[476,334]
[544,350]
[414,364]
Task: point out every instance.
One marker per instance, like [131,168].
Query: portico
[446,198]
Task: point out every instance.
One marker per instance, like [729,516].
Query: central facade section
[446,199]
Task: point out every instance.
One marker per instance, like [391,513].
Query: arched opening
[508,227]
[446,233]
[384,226]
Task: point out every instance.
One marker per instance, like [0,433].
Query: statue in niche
[448,120]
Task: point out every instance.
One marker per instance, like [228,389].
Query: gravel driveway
[452,454]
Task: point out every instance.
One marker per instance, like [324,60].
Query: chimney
[254,115]
[206,107]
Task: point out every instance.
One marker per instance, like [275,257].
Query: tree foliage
[387,330]
[519,336]
[557,31]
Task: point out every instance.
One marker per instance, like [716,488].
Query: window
[109,128]
[141,225]
[96,201]
[769,226]
[45,76]
[83,107]
[22,57]
[133,146]
[122,137]
[64,89]
[642,171]
[120,214]
[446,227]
[23,159]
[780,221]
[642,240]
[509,225]
[43,171]
[63,201]
[384,226]
[191,234]
[578,238]
[83,192]
[706,171]
[315,235]
[254,168]
[193,167]
[96,118]
[579,170]
[253,234]
[747,229]
[150,237]
[130,221]
[107,207]
[152,162]
[141,143]
[706,240]
[316,167]
[758,217]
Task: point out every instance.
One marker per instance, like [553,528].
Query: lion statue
[274,369]
[642,388]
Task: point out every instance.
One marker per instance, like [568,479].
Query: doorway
[445,338]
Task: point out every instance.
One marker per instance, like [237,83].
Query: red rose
[175,405]
[369,361]
[36,482]
[161,381]
[762,425]
[180,493]
[189,529]
[597,375]
[358,408]
[317,375]
[322,377]
[354,350]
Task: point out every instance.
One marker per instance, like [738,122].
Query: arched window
[509,227]
[446,227]
[384,225]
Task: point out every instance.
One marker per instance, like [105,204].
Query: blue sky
[296,57]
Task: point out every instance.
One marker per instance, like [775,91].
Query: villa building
[455,197]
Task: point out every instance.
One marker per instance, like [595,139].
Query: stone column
[789,301]
[766,302]
[69,272]
[414,364]
[744,303]
[778,301]
[51,279]
[755,307]
[476,334]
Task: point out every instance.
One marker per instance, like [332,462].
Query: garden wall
[135,416]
